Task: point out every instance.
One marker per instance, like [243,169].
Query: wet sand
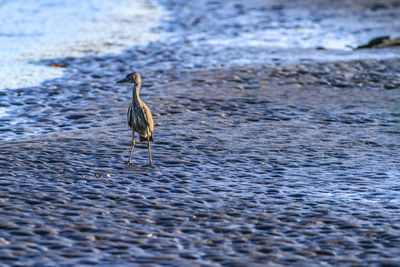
[288,165]
[256,165]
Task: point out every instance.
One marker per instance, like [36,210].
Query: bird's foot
[129,163]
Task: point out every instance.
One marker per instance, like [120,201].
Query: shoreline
[272,164]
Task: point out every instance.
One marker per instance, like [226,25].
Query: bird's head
[133,77]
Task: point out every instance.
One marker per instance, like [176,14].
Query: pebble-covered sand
[267,165]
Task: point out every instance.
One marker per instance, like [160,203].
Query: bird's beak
[124,80]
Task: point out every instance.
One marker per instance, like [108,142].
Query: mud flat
[286,165]
[270,164]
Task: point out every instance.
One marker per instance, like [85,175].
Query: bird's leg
[148,144]
[133,144]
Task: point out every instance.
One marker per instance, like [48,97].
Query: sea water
[34,30]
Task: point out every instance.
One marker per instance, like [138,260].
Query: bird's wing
[148,118]
[144,114]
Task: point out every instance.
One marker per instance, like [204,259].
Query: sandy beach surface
[266,164]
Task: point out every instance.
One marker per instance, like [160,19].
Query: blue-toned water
[35,30]
[275,143]
[32,30]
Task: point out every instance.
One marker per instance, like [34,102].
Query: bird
[139,115]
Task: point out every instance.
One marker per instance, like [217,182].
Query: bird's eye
[133,77]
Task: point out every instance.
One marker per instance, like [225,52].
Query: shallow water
[40,29]
[282,32]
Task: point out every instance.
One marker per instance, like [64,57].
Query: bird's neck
[135,93]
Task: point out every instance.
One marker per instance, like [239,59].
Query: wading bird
[139,114]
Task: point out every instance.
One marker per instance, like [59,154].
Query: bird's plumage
[139,115]
[142,121]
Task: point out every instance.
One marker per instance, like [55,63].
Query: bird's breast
[136,120]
